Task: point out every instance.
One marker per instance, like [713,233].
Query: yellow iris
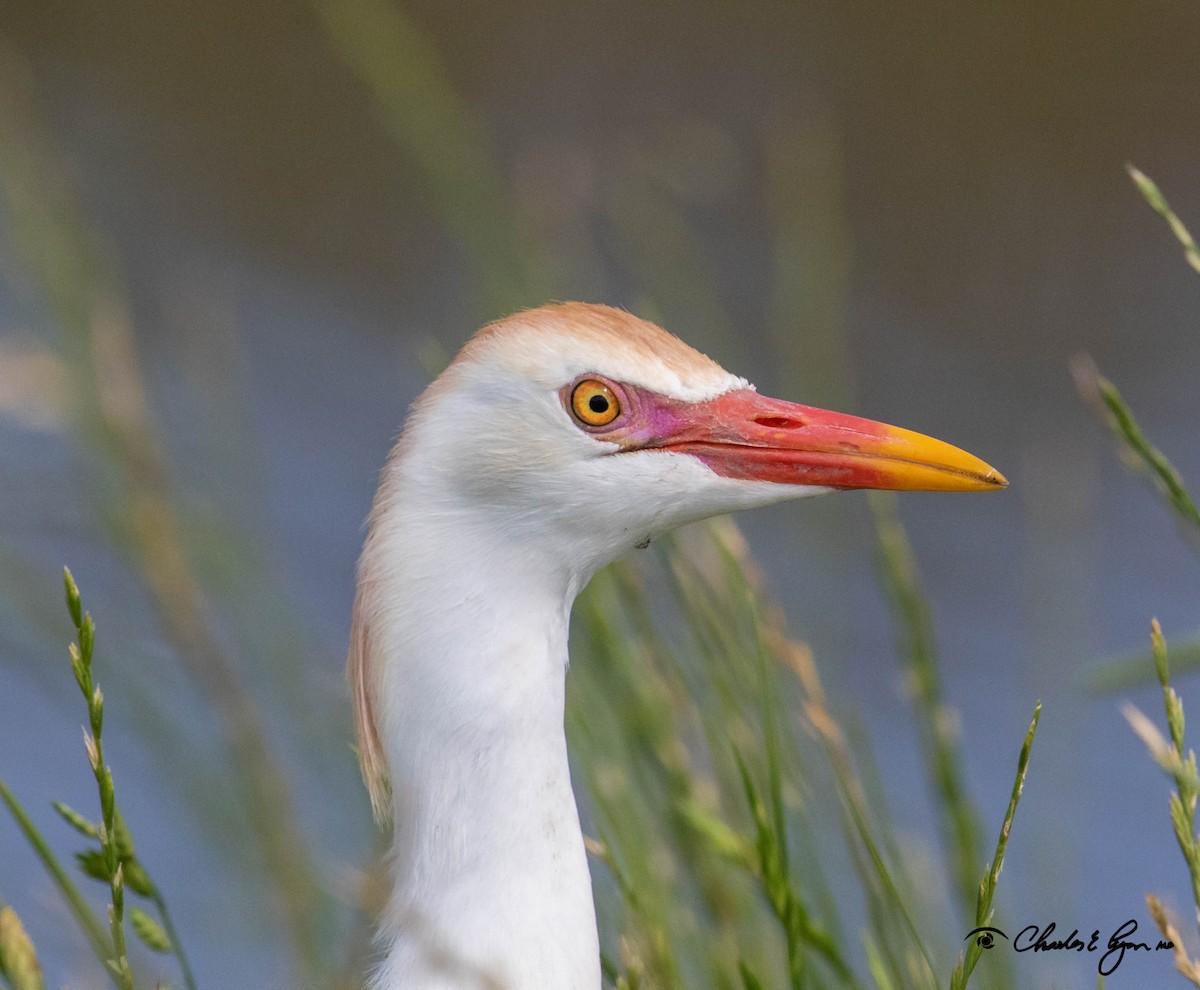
[594,403]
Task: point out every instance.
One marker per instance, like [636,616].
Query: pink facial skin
[743,435]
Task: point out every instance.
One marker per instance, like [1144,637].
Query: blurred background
[236,240]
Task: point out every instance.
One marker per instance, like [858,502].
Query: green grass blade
[987,886]
[1102,394]
[19,965]
[1136,669]
[1175,759]
[168,923]
[90,925]
[935,721]
[876,965]
[1159,202]
[418,106]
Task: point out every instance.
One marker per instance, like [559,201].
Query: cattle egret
[556,440]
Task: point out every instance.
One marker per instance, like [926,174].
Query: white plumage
[507,491]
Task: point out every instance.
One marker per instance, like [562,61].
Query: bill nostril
[779,422]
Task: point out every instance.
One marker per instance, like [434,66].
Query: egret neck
[491,880]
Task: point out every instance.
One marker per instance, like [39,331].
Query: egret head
[583,427]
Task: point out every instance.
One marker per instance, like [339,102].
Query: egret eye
[594,403]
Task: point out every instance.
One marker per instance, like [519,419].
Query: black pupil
[598,404]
